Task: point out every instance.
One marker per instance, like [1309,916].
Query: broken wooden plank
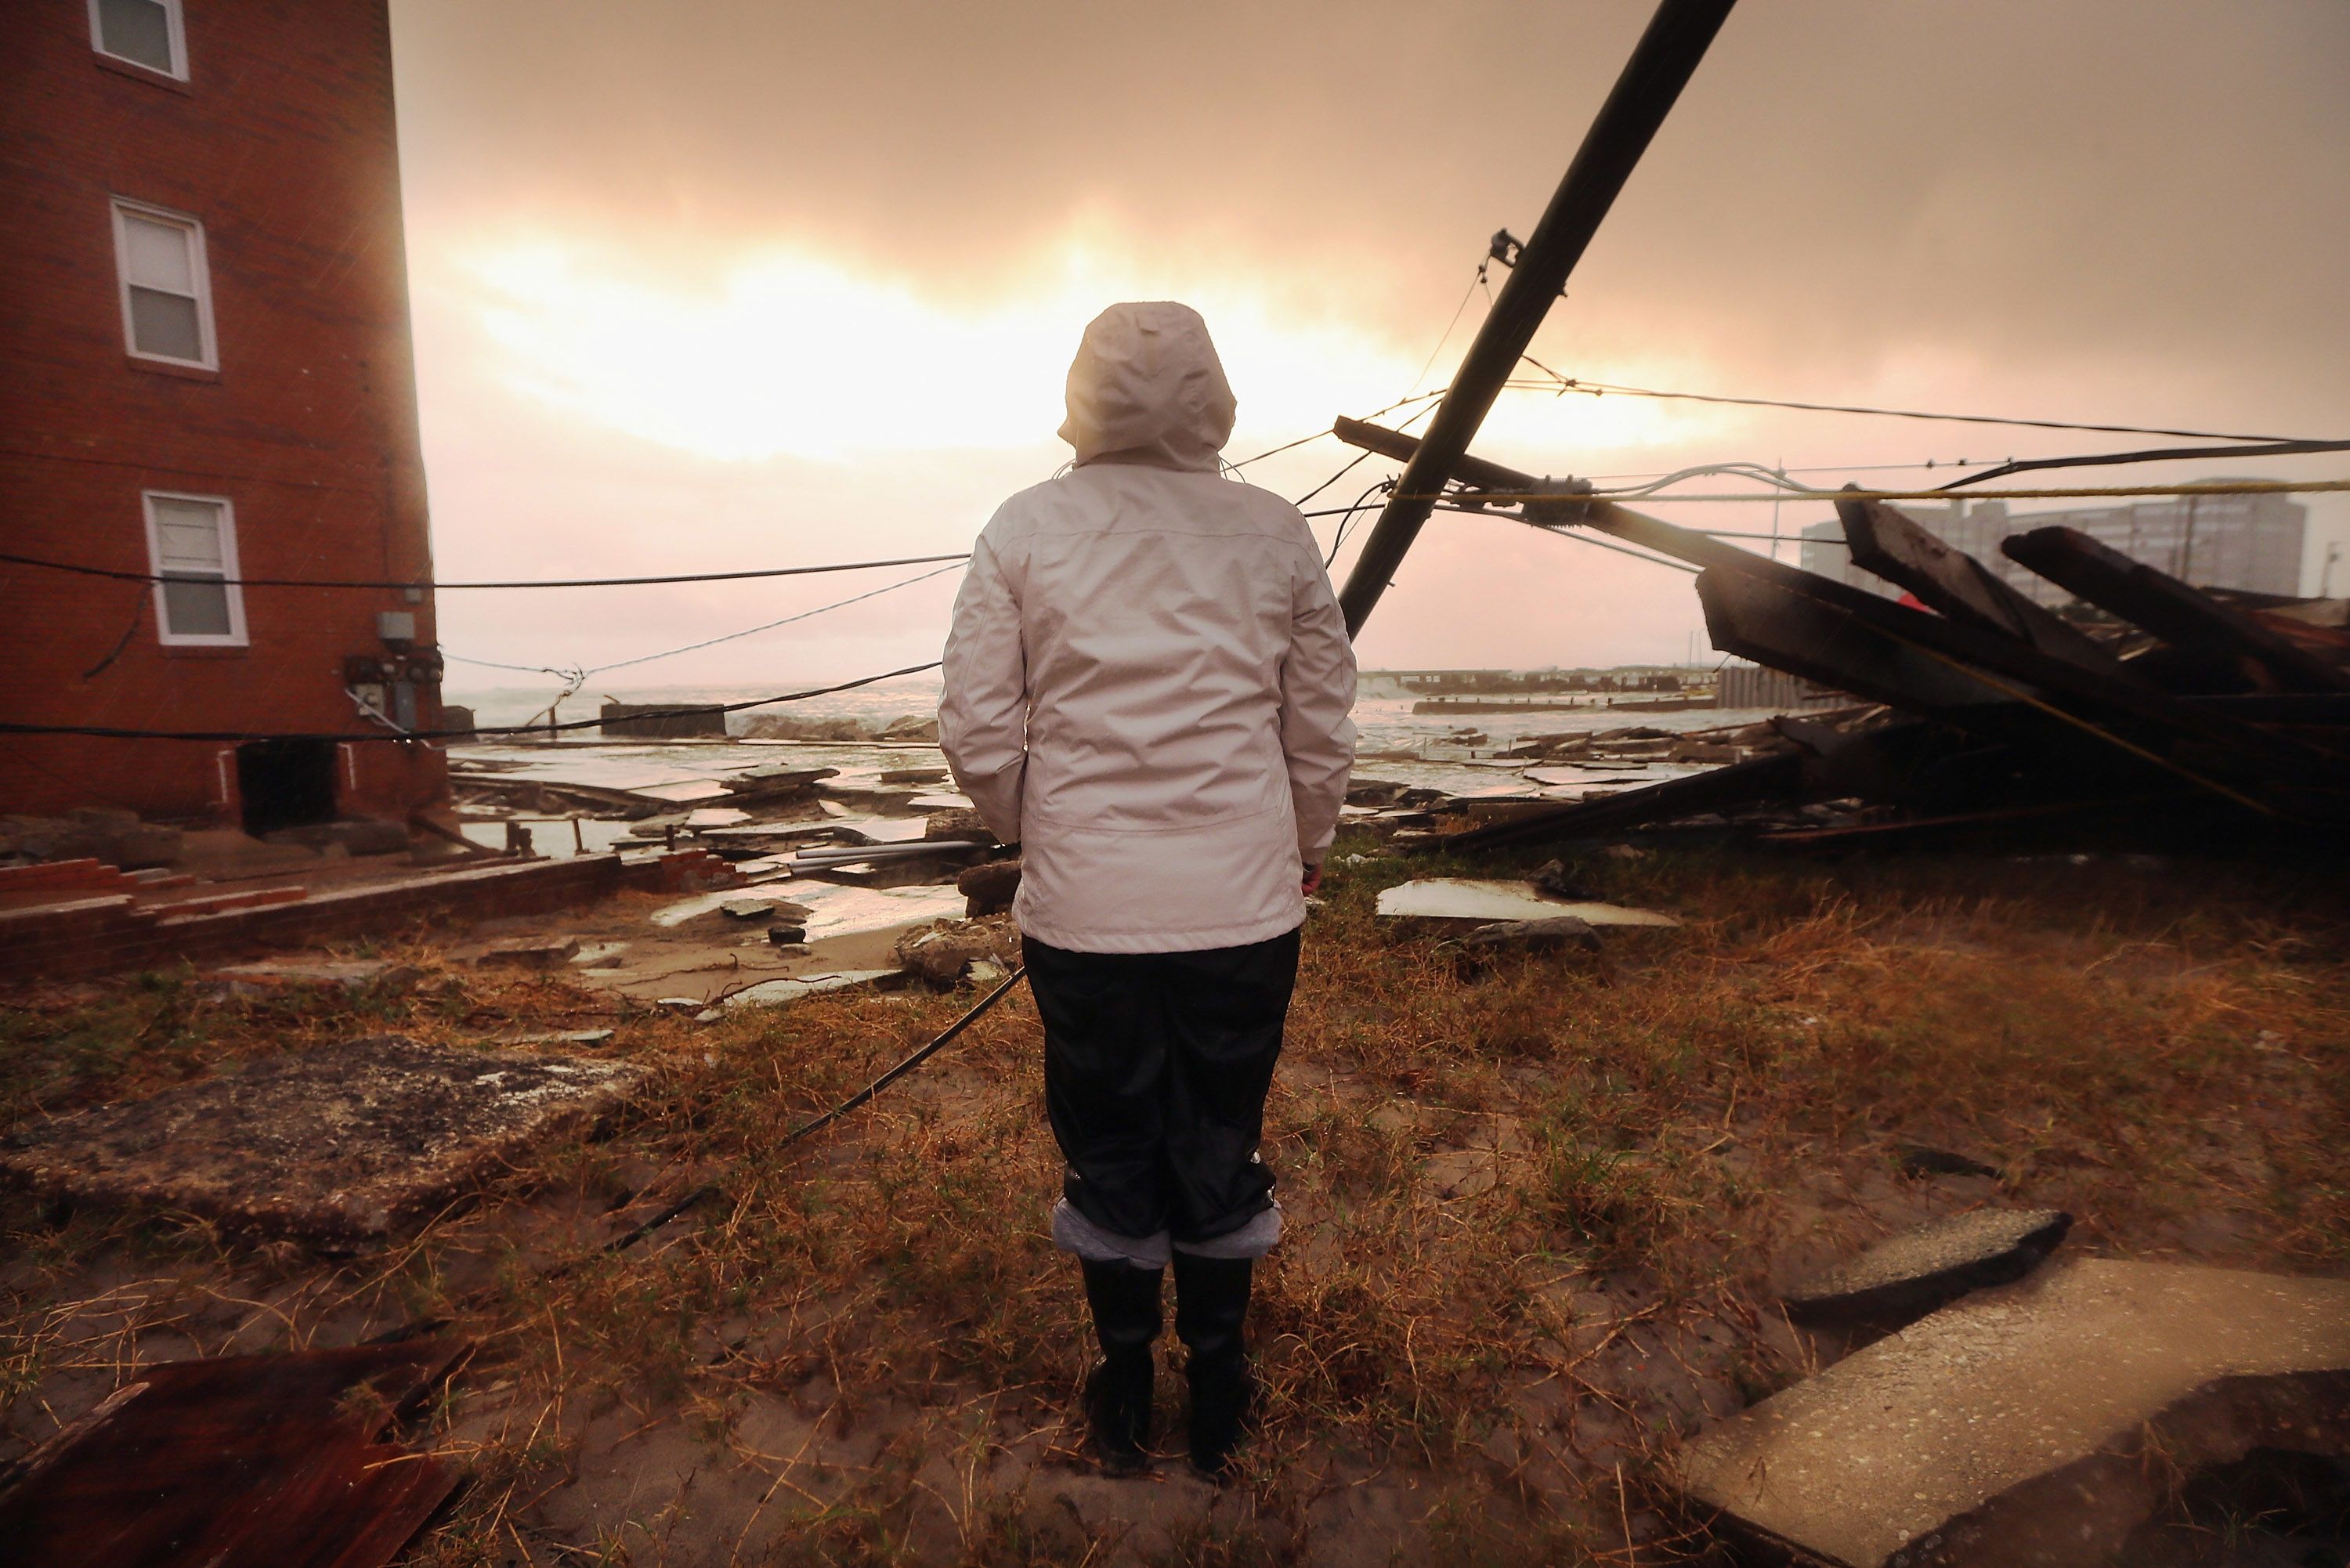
[1889,543]
[2176,612]
[2224,746]
[1760,780]
[1823,644]
[249,1462]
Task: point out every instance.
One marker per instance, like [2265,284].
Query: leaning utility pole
[1660,65]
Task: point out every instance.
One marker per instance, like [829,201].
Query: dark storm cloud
[2121,209]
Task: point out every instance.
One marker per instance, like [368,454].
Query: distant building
[2249,542]
[209,376]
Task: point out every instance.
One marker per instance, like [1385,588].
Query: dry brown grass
[1537,1216]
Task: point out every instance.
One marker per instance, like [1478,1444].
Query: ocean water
[1383,723]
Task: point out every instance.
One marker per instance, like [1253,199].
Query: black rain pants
[1156,1069]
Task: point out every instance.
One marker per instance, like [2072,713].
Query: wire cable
[1567,384]
[770,625]
[103,731]
[428,584]
[1347,521]
[2156,454]
[1570,532]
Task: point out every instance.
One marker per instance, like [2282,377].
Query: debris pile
[2163,712]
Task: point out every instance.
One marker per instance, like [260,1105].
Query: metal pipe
[1660,65]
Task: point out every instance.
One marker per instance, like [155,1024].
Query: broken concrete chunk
[1460,899]
[1537,935]
[274,975]
[1552,879]
[793,988]
[787,936]
[967,825]
[339,1144]
[989,887]
[2034,1424]
[529,952]
[941,954]
[1912,1272]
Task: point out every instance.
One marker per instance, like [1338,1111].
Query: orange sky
[731,284]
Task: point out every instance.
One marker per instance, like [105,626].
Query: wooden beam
[2177,613]
[1773,626]
[2029,675]
[1750,783]
[1891,544]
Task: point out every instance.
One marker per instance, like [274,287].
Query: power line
[1317,435]
[2154,454]
[80,570]
[1566,384]
[770,625]
[101,731]
[1576,535]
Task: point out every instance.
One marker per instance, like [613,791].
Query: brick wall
[282,143]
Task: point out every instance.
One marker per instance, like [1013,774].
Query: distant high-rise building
[2247,542]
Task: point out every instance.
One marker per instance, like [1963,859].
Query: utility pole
[1662,64]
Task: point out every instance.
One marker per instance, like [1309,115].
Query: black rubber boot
[1212,1297]
[1124,1301]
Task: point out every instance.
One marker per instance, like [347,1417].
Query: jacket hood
[1147,387]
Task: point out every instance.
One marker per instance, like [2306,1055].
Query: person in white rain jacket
[1148,685]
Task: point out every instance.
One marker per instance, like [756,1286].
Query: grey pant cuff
[1073,1232]
[1254,1239]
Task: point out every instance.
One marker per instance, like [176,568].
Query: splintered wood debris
[343,1143]
[248,1460]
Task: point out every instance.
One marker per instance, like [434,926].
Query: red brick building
[204,321]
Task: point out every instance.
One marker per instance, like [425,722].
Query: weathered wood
[1751,783]
[238,1462]
[1773,626]
[2237,749]
[1891,544]
[2176,612]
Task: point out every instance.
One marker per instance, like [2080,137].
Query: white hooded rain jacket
[1148,681]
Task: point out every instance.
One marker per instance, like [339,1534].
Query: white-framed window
[191,543]
[167,294]
[144,32]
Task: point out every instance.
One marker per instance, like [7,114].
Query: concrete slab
[1460,899]
[793,988]
[1915,1271]
[341,1144]
[2032,1425]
